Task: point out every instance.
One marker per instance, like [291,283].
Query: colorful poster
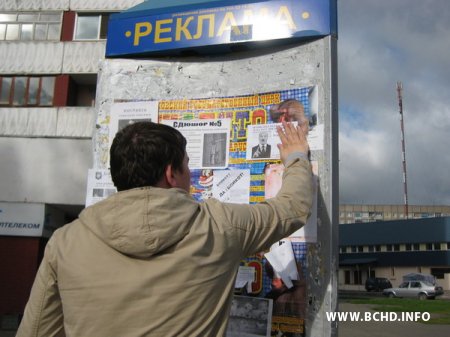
[246,112]
[232,145]
[253,119]
[289,300]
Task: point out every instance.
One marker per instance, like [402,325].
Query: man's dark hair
[141,152]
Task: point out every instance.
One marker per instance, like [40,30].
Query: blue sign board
[143,30]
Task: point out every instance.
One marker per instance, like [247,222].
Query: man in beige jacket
[150,260]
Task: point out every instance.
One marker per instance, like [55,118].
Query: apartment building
[352,213]
[49,58]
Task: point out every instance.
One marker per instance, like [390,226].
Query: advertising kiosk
[220,72]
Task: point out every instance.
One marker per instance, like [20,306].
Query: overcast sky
[380,43]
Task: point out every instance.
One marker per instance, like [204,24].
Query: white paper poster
[262,140]
[125,113]
[99,186]
[232,186]
[208,141]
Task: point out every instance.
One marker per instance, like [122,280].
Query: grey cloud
[379,44]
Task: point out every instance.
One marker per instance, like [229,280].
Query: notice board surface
[239,90]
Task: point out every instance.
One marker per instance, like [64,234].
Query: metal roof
[428,230]
[406,259]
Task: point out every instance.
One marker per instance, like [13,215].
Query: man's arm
[43,315]
[258,226]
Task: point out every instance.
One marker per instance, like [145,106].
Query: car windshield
[428,284]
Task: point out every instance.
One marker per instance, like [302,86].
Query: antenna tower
[405,186]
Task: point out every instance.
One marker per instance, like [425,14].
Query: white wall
[13,5]
[45,170]
[44,57]
[73,122]
[445,283]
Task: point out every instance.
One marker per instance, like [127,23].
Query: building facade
[392,249]
[349,213]
[49,58]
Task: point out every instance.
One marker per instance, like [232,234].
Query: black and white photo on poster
[250,317]
[208,141]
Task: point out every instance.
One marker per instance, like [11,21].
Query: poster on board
[207,141]
[99,186]
[253,117]
[229,162]
[250,317]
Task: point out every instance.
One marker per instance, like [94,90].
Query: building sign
[229,22]
[21,219]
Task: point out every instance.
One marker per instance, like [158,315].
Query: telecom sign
[146,31]
[21,219]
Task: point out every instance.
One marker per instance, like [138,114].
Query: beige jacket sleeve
[258,226]
[43,315]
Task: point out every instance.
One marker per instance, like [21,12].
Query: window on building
[347,277]
[448,245]
[91,26]
[389,248]
[354,249]
[5,90]
[27,91]
[378,248]
[357,279]
[28,26]
[429,246]
[408,246]
[82,89]
[439,273]
[360,249]
[436,246]
[416,246]
[396,248]
[376,215]
[371,248]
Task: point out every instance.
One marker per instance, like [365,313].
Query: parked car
[419,277]
[415,289]
[377,284]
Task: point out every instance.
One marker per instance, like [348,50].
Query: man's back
[125,271]
[153,262]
